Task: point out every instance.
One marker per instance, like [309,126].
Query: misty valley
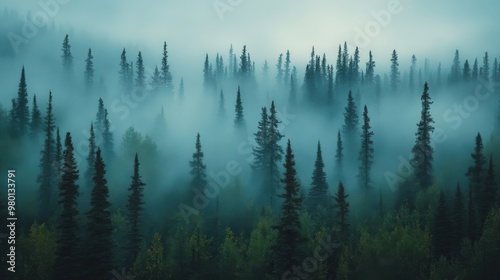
[126,161]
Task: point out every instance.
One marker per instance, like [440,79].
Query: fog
[192,29]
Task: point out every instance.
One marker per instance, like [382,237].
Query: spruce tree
[486,68]
[279,70]
[412,72]
[394,77]
[275,151]
[46,179]
[422,150]
[222,108]
[22,113]
[355,67]
[318,192]
[260,151]
[455,69]
[107,138]
[67,58]
[134,209]
[366,152]
[370,69]
[100,119]
[239,121]
[99,245]
[140,79]
[58,158]
[488,193]
[472,227]
[286,249]
[495,75]
[475,71]
[458,219]
[442,229]
[67,264]
[91,157]
[198,168]
[124,71]
[166,76]
[156,79]
[466,75]
[36,124]
[89,70]
[339,156]
[287,67]
[342,209]
[475,172]
[350,127]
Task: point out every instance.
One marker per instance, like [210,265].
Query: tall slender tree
[475,71]
[279,70]
[466,75]
[91,157]
[318,192]
[198,168]
[442,229]
[342,209]
[455,69]
[287,68]
[67,57]
[239,121]
[422,150]
[339,157]
[394,77]
[46,179]
[370,69]
[351,120]
[366,151]
[36,124]
[140,79]
[275,151]
[134,210]
[166,76]
[67,263]
[413,72]
[260,151]
[475,172]
[89,70]
[99,245]
[21,112]
[286,249]
[486,67]
[107,138]
[124,75]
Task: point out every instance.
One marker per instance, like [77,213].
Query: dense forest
[247,169]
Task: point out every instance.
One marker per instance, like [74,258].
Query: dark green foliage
[58,158]
[134,211]
[286,248]
[339,156]
[198,168]
[239,121]
[274,149]
[422,150]
[318,192]
[67,264]
[458,219]
[89,70]
[287,67]
[279,70]
[47,177]
[89,173]
[394,76]
[156,79]
[341,209]
[166,76]
[36,124]
[140,79]
[366,152]
[67,58]
[260,152]
[99,246]
[487,194]
[107,138]
[209,83]
[475,172]
[21,114]
[370,69]
[442,229]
